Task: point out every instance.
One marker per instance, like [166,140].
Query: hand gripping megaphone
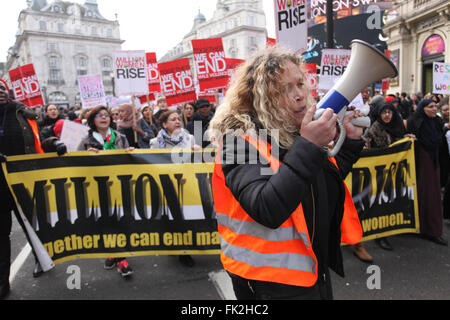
[367,65]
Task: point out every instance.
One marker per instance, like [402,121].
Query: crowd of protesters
[426,119]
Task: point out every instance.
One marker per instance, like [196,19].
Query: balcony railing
[419,3]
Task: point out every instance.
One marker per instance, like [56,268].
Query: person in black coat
[269,93]
[201,120]
[428,128]
[18,136]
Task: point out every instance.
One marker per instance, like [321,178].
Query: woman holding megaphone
[282,206]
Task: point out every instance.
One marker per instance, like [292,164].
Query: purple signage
[433,45]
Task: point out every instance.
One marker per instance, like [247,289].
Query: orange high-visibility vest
[253,251]
[37,141]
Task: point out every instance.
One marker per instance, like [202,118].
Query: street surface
[417,269]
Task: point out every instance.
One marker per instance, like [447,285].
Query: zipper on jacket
[314,215]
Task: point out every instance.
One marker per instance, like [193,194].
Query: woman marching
[281,204]
[428,128]
[102,137]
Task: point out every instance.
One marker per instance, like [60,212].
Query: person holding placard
[18,135]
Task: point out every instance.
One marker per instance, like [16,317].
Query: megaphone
[367,65]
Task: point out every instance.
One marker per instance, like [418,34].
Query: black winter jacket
[305,176]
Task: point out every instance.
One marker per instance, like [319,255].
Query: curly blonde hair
[256,93]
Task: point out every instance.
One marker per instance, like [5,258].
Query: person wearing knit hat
[18,135]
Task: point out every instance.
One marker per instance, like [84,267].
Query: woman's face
[189,110]
[173,123]
[52,111]
[123,113]
[115,115]
[102,120]
[295,98]
[386,115]
[431,110]
[147,113]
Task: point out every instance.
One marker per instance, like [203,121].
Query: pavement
[416,269]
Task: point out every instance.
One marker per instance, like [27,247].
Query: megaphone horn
[367,65]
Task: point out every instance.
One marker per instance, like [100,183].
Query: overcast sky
[150,25]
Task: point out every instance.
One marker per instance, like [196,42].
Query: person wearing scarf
[126,126]
[102,137]
[172,135]
[427,127]
[387,128]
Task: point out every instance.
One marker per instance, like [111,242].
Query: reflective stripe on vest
[257,230]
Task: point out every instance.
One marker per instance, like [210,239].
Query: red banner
[25,86]
[153,73]
[177,83]
[210,63]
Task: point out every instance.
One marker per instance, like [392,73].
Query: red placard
[177,83]
[25,86]
[210,63]
[153,73]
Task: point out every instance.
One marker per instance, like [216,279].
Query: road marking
[222,282]
[19,261]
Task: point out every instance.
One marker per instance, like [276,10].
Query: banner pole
[150,108]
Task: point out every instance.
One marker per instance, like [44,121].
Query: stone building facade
[240,23]
[418,36]
[64,40]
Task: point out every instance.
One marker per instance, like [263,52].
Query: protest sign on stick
[25,86]
[130,73]
[290,24]
[92,91]
[177,83]
[441,78]
[210,63]
[131,76]
[334,63]
[153,73]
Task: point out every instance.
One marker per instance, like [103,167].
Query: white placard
[72,134]
[441,78]
[130,73]
[291,24]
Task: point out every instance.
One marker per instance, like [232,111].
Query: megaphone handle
[333,152]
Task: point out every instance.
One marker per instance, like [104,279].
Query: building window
[56,97]
[81,66]
[52,46]
[109,33]
[60,27]
[106,67]
[251,20]
[94,31]
[42,25]
[55,70]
